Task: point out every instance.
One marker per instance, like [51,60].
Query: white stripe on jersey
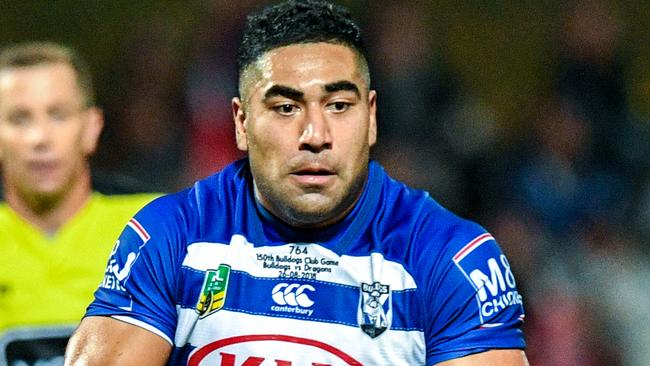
[242,256]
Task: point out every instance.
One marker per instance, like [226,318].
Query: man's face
[307,122]
[46,132]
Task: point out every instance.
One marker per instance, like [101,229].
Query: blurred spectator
[614,270]
[55,232]
[592,73]
[566,331]
[210,85]
[554,184]
[591,70]
[563,326]
[148,140]
[429,130]
[412,89]
[576,179]
[556,177]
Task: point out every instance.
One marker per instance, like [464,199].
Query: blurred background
[530,117]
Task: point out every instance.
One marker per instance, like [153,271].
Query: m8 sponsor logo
[500,285]
[493,279]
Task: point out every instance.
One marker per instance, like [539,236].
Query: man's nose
[316,135]
[39,132]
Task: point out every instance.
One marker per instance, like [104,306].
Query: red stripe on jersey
[472,245]
[142,233]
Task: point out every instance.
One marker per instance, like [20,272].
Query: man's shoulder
[410,205]
[4,208]
[423,218]
[447,231]
[8,218]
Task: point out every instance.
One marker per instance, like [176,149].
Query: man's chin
[314,211]
[314,204]
[46,192]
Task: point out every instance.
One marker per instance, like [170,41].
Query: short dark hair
[46,53]
[296,22]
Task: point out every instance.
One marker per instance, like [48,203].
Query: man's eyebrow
[342,85]
[284,91]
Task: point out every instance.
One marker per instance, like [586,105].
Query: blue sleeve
[139,284]
[471,297]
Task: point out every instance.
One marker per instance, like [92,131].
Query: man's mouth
[42,166]
[313,172]
[313,176]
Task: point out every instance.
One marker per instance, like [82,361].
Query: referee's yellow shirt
[49,280]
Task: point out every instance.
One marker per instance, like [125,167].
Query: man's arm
[107,341]
[505,357]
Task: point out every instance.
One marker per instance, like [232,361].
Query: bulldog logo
[375,312]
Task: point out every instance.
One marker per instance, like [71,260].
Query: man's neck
[50,214]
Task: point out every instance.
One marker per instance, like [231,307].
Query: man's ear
[372,118]
[92,130]
[239,116]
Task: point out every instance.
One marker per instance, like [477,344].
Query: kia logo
[293,295]
[233,351]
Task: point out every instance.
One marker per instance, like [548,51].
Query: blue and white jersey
[400,281]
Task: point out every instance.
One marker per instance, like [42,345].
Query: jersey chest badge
[375,310]
[213,294]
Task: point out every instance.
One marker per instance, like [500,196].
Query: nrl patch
[213,294]
[375,310]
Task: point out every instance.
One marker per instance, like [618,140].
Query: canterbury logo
[292,295]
